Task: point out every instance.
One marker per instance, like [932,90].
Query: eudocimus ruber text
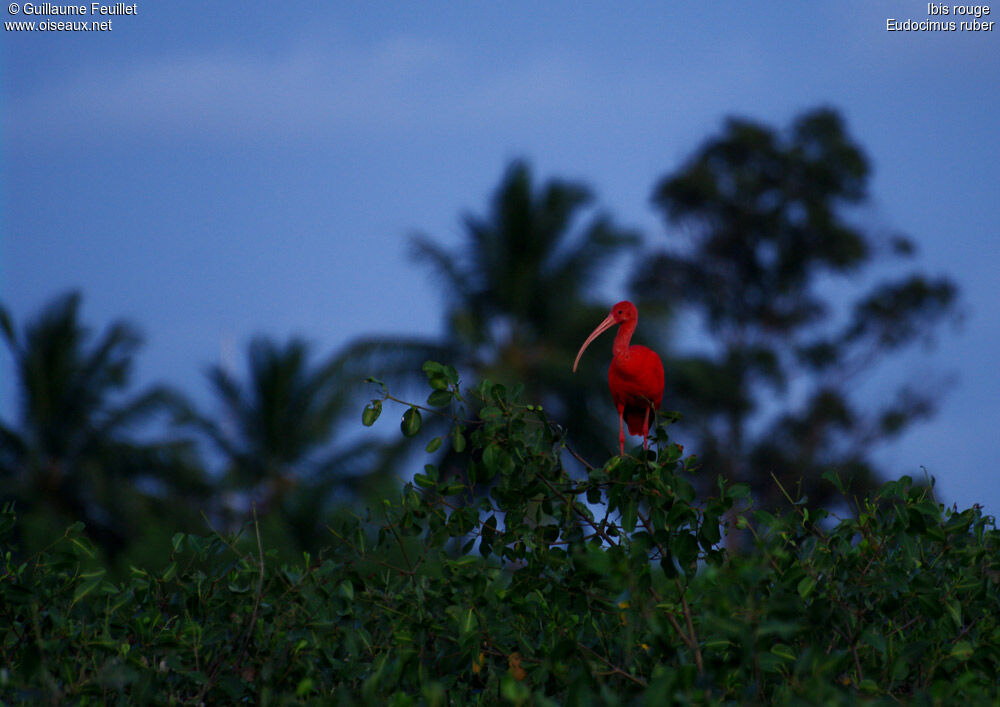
[635,376]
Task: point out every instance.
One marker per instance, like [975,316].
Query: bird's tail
[634,416]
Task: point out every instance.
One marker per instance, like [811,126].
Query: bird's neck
[622,338]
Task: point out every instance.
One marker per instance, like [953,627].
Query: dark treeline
[754,221]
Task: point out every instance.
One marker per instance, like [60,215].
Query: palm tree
[70,452]
[276,433]
[517,307]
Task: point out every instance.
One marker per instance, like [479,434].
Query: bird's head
[622,312]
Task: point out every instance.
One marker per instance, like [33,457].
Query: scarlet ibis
[635,376]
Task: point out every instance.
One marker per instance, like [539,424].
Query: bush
[514,582]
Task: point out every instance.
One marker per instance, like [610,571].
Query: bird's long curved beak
[608,322]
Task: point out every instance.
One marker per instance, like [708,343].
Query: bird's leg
[621,431]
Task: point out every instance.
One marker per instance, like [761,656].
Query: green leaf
[873,638]
[834,479]
[869,686]
[685,548]
[434,693]
[423,481]
[458,440]
[371,413]
[962,650]
[806,585]
[411,422]
[491,459]
[739,491]
[629,517]
[90,582]
[771,662]
[499,392]
[710,531]
[439,398]
[305,687]
[436,376]
[469,622]
[433,368]
[783,651]
[433,445]
[514,691]
[955,612]
[452,488]
[81,545]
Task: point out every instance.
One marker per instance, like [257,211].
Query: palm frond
[9,332]
[136,411]
[228,391]
[107,365]
[455,282]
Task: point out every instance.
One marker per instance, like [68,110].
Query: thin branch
[572,504]
[576,456]
[690,626]
[399,541]
[611,666]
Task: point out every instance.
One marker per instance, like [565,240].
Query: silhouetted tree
[72,451]
[760,218]
[276,431]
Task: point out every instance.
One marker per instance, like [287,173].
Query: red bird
[635,376]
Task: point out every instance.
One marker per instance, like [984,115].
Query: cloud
[322,91]
[306,90]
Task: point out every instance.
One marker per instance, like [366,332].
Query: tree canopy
[73,454]
[759,219]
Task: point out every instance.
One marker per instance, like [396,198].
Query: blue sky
[212,170]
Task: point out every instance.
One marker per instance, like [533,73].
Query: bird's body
[635,376]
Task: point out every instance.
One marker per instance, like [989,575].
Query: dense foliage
[530,578]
